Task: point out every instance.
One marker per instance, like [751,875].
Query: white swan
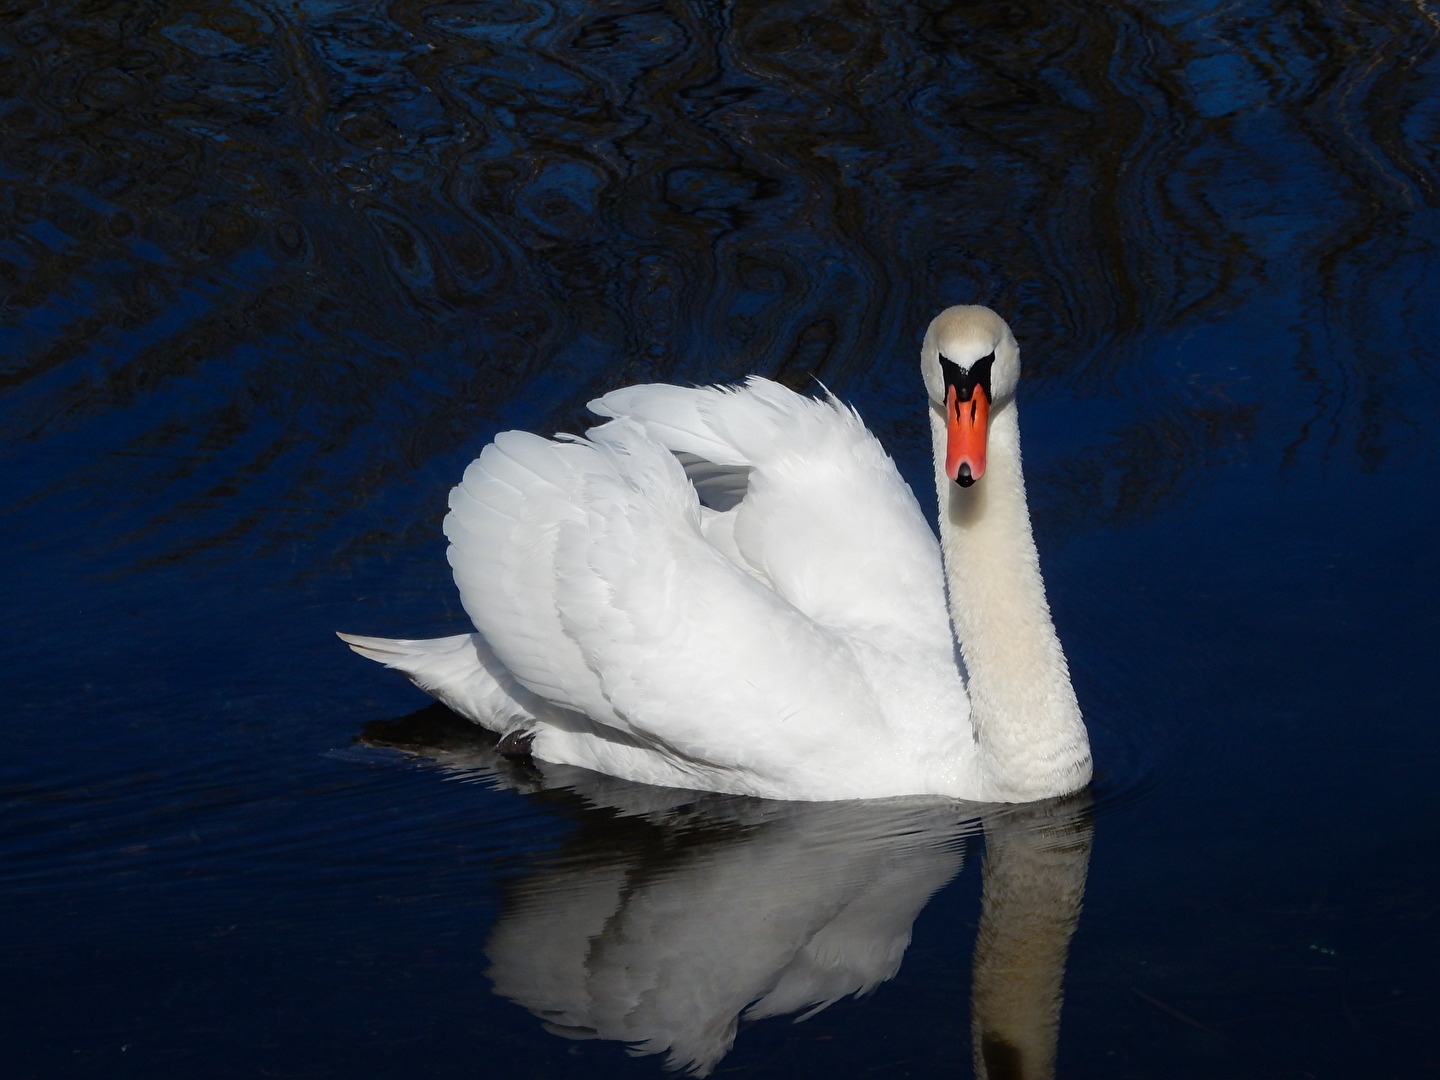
[791,639]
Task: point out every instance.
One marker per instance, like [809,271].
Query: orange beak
[965,423]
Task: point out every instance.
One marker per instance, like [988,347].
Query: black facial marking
[964,381]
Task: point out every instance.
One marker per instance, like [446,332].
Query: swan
[731,589]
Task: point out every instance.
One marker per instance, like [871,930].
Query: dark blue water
[273,274]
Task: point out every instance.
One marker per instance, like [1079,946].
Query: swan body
[733,590]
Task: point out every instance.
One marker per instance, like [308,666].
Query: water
[272,275]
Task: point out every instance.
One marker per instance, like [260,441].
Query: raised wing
[826,518]
[583,563]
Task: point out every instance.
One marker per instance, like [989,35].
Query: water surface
[273,274]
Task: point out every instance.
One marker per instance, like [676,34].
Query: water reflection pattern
[295,254]
[670,916]
[270,274]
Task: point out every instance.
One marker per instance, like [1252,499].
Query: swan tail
[461,672]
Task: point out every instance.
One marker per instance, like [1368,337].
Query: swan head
[971,366]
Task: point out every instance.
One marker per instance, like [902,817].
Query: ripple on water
[271,278]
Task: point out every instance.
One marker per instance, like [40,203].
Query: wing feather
[503,526]
[826,518]
[599,591]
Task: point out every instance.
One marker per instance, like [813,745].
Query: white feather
[789,640]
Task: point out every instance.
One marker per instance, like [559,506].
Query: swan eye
[966,380]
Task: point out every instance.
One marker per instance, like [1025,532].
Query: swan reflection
[669,916]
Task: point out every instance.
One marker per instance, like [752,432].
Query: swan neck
[1036,860]
[1030,738]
